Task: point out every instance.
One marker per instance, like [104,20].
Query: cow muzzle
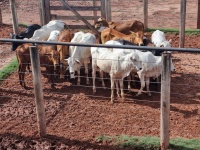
[72,75]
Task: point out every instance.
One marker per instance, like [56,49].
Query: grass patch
[8,69]
[175,31]
[23,25]
[149,143]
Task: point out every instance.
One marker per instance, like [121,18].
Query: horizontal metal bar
[103,45]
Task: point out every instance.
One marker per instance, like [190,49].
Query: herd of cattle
[117,62]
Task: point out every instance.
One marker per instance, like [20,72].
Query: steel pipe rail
[102,45]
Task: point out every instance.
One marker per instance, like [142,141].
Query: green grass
[149,143]
[8,69]
[175,31]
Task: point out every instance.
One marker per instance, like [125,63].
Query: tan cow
[126,27]
[64,36]
[49,58]
[111,34]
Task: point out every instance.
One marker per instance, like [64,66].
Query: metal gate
[78,14]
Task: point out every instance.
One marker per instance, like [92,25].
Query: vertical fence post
[1,16]
[94,11]
[14,16]
[108,9]
[145,14]
[42,12]
[198,15]
[103,9]
[165,101]
[47,11]
[35,62]
[182,23]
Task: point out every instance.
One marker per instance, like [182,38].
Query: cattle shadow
[131,98]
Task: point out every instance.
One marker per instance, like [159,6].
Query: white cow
[151,67]
[81,56]
[43,33]
[158,39]
[77,38]
[116,63]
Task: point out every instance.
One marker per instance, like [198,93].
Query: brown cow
[126,27]
[64,36]
[111,34]
[49,58]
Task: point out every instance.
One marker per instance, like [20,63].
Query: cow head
[15,44]
[134,58]
[137,38]
[166,43]
[74,65]
[101,24]
[55,58]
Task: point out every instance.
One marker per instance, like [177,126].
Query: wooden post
[35,62]
[103,9]
[165,101]
[1,17]
[14,16]
[198,15]
[108,9]
[94,11]
[47,11]
[42,12]
[182,24]
[145,14]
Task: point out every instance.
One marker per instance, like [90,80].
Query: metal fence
[159,99]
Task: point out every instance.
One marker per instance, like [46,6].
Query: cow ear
[112,25]
[77,61]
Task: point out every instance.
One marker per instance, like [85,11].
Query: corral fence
[75,12]
[165,83]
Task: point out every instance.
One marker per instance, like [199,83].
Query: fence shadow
[15,141]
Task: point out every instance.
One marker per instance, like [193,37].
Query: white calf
[77,38]
[151,67]
[158,39]
[80,55]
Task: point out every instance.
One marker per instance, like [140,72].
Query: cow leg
[86,73]
[22,72]
[117,88]
[112,88]
[79,78]
[61,71]
[147,85]
[94,68]
[129,82]
[141,76]
[102,80]
[122,89]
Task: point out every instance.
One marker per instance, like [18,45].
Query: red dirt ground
[75,117]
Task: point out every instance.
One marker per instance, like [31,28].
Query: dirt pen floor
[75,117]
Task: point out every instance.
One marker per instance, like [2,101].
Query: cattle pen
[71,116]
[164,93]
